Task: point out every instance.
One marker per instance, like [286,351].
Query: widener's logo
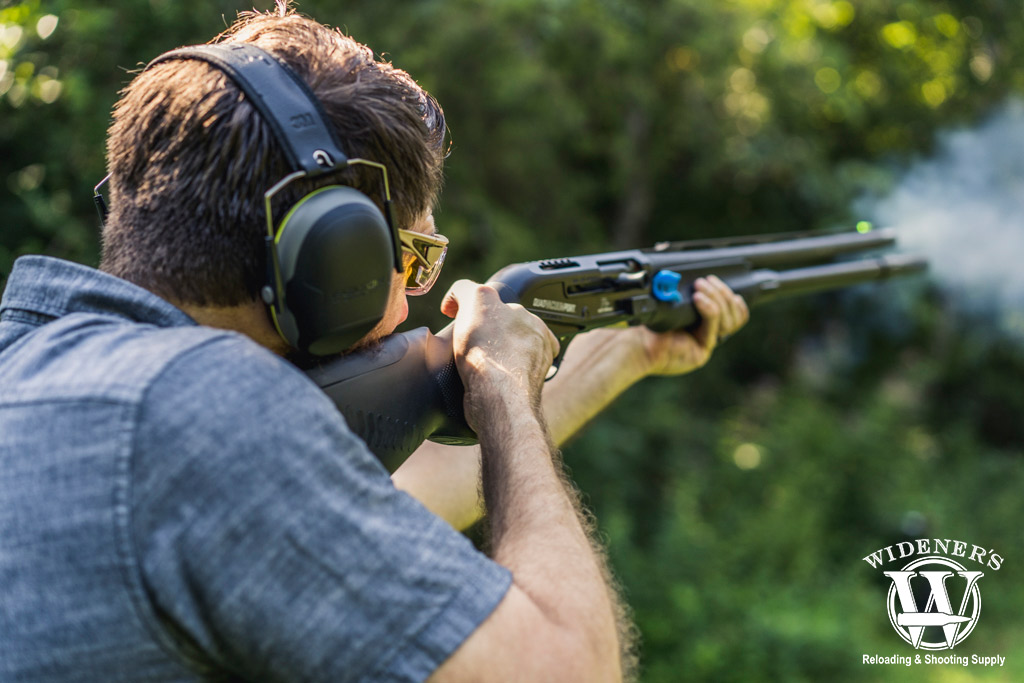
[911,622]
[934,601]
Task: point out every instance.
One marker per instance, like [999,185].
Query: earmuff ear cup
[336,259]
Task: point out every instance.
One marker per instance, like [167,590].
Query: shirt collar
[53,288]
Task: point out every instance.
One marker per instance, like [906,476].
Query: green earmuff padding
[336,261]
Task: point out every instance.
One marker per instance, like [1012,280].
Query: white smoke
[964,210]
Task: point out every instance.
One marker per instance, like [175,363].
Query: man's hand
[599,365]
[676,353]
[498,347]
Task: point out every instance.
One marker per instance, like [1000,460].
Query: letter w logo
[938,611]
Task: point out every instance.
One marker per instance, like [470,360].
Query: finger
[730,316]
[554,346]
[734,309]
[719,284]
[744,310]
[707,334]
[450,302]
[460,289]
[553,343]
[735,315]
[720,292]
[706,287]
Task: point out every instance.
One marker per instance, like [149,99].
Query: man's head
[190,159]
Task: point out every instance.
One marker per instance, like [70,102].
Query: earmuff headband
[286,103]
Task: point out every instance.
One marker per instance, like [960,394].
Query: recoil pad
[336,262]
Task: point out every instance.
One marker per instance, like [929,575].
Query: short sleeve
[272,544]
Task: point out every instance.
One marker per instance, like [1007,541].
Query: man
[177,502]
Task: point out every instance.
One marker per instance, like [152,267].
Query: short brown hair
[190,159]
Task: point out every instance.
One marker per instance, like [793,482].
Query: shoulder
[223,364]
[227,420]
[97,356]
[270,534]
[229,391]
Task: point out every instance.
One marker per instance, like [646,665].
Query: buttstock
[398,393]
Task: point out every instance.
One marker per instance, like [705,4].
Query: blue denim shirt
[179,504]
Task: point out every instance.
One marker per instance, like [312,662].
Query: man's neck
[250,319]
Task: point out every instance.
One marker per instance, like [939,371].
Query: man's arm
[557,621]
[598,366]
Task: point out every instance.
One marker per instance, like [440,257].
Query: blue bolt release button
[665,286]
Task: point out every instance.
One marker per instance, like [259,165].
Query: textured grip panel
[452,390]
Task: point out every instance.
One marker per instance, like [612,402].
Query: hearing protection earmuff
[330,261]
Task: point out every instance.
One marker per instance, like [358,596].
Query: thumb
[450,303]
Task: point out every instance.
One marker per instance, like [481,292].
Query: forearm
[538,532]
[559,614]
[446,480]
[598,366]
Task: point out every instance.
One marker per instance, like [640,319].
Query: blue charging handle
[665,286]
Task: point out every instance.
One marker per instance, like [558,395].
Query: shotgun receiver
[406,389]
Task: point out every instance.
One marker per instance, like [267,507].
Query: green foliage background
[583,125]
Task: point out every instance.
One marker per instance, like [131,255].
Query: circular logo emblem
[952,602]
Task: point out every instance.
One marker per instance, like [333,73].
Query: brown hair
[190,159]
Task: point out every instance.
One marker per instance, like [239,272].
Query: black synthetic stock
[406,389]
[398,393]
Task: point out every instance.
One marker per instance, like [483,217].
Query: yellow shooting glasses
[423,257]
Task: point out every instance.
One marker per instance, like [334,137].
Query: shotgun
[652,287]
